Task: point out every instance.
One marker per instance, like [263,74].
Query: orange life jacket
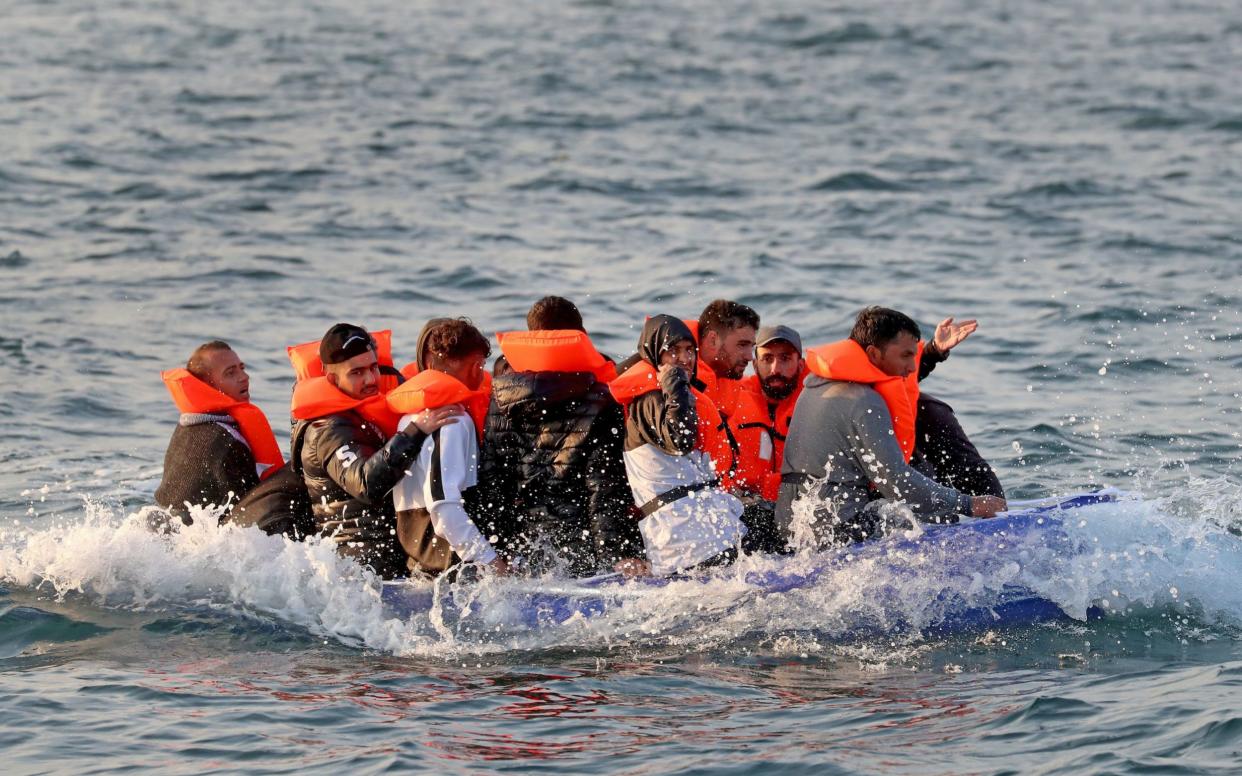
[756,449]
[306,361]
[410,370]
[315,397]
[712,437]
[847,361]
[191,394]
[565,350]
[432,389]
[777,419]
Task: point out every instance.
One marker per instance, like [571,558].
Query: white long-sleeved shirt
[447,466]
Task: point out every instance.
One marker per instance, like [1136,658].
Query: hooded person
[552,477]
[348,449]
[223,445]
[852,438]
[672,433]
[434,498]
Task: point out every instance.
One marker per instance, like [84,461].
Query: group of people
[563,460]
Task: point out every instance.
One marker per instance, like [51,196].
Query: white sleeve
[451,470]
[405,492]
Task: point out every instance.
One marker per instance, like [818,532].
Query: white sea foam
[1128,556]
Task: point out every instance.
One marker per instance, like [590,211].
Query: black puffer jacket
[551,473]
[350,470]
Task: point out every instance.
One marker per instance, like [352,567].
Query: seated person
[672,433]
[777,383]
[853,435]
[433,525]
[350,453]
[726,336]
[223,445]
[552,477]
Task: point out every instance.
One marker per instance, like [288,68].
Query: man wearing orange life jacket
[223,445]
[347,447]
[672,434]
[434,498]
[847,457]
[776,384]
[552,477]
[726,334]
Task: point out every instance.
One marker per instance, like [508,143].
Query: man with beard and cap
[223,445]
[672,433]
[552,478]
[346,444]
[776,385]
[848,455]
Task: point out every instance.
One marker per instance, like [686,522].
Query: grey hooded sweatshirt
[842,448]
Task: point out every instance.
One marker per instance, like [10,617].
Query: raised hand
[949,334]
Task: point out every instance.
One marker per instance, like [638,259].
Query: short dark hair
[554,312]
[879,326]
[197,363]
[723,316]
[454,338]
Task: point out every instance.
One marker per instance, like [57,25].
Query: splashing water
[1127,558]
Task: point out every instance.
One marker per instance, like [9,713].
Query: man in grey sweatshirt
[847,456]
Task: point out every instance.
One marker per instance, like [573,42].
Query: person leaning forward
[346,443]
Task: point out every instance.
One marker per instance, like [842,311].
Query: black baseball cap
[344,341]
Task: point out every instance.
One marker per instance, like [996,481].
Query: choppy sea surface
[1068,173]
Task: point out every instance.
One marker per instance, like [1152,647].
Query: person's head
[668,340]
[727,337]
[216,364]
[554,313]
[890,339]
[455,347]
[350,361]
[778,360]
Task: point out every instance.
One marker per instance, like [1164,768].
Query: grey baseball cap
[772,333]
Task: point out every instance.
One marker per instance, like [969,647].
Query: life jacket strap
[756,424]
[669,496]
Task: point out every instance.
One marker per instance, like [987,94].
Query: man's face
[227,374]
[357,378]
[778,365]
[682,354]
[732,352]
[469,370]
[899,358]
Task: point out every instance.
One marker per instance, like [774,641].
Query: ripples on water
[255,172]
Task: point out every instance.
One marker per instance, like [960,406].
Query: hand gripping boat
[953,568]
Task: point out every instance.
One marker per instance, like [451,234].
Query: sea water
[1068,174]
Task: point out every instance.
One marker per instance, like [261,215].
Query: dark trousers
[944,452]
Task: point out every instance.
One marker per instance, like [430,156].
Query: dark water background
[1069,173]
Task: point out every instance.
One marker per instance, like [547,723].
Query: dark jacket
[349,470]
[205,464]
[666,418]
[551,470]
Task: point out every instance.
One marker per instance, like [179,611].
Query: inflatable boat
[1033,533]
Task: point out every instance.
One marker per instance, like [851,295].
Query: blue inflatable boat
[1032,535]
